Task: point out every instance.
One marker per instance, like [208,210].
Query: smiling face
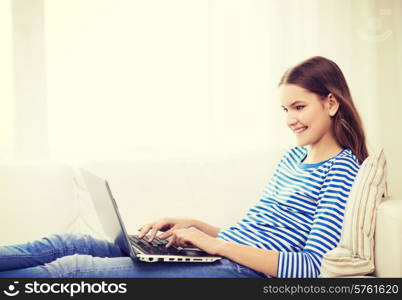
[308,116]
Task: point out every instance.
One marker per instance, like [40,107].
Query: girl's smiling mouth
[300,129]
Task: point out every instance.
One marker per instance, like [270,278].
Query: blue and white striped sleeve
[327,224]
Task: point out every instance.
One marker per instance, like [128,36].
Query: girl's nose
[290,120]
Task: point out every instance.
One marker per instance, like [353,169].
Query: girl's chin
[301,143]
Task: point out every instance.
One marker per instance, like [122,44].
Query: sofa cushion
[354,254]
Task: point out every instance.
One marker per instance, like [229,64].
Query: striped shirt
[300,213]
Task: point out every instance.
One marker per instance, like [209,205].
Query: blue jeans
[77,255]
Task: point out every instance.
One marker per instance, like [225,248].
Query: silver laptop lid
[107,210]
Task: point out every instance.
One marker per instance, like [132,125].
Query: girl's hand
[188,237]
[168,225]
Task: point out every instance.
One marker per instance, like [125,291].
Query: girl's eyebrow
[294,103]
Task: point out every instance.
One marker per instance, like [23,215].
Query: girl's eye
[298,107]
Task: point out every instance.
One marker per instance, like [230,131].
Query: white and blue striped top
[300,213]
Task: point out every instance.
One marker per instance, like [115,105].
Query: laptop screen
[107,210]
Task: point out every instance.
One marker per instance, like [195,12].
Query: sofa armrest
[37,199]
[388,242]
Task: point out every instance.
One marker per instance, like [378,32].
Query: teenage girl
[298,218]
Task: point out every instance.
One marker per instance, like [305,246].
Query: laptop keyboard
[157,246]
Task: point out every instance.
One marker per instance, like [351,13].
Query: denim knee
[67,266]
[85,245]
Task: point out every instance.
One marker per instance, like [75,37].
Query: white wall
[30,94]
[7,82]
[127,78]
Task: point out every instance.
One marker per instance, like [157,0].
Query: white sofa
[41,198]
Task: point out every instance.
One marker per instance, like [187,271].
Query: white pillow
[354,254]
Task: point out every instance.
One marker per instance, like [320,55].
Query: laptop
[113,226]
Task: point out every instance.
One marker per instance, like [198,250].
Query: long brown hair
[322,77]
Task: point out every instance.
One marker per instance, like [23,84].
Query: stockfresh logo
[70,289]
[12,290]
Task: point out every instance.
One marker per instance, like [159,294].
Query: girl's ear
[333,105]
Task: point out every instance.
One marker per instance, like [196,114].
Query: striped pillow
[354,254]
